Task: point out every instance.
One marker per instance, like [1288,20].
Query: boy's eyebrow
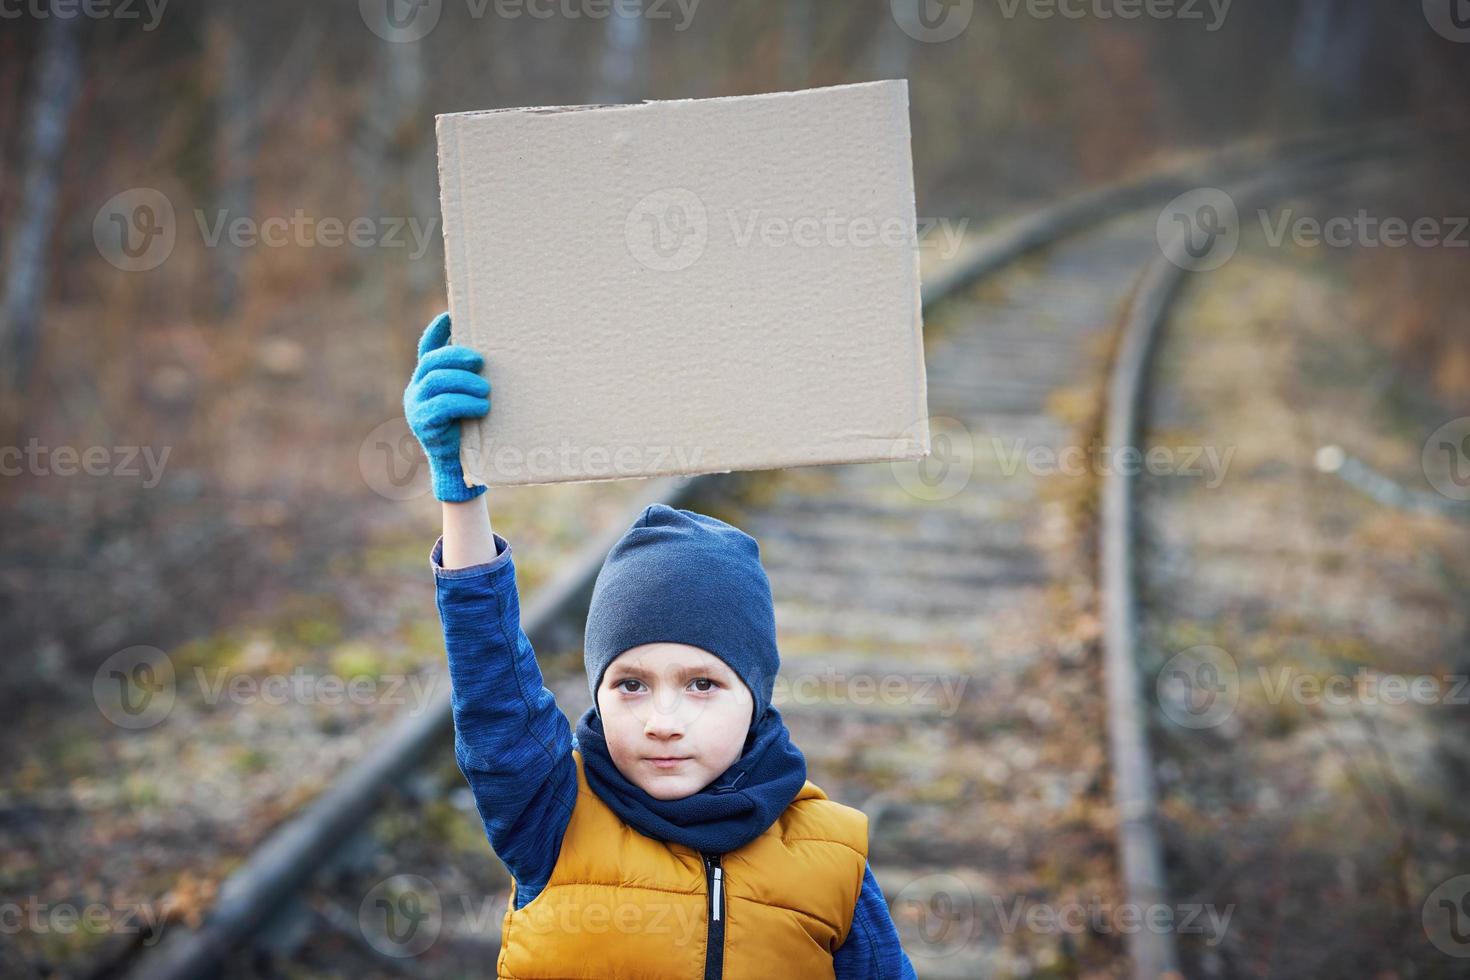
[683,673]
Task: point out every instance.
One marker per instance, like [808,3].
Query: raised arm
[511,741]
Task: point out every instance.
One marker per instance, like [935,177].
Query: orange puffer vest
[622,905]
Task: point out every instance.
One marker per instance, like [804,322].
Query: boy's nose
[661,725]
[664,721]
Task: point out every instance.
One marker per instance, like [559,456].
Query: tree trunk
[622,77]
[58,80]
[1329,49]
[388,155]
[796,42]
[891,48]
[236,144]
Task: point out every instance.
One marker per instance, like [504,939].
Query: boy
[675,834]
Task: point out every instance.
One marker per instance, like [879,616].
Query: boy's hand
[444,389]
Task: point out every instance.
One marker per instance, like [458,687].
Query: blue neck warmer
[728,813]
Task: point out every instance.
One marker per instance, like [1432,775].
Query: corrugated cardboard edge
[921,423]
[550,109]
[451,201]
[451,196]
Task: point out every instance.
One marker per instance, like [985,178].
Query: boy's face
[672,701]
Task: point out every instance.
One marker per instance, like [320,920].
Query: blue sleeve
[511,741]
[871,950]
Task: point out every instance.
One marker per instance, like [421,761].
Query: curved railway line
[884,576]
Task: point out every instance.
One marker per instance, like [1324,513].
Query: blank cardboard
[682,287]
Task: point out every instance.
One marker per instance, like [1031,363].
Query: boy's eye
[709,685]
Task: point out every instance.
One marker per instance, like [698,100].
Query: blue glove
[444,389]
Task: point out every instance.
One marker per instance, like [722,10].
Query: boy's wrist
[441,570]
[449,483]
[468,537]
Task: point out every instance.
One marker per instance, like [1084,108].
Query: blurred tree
[891,46]
[891,50]
[389,148]
[236,145]
[625,48]
[58,80]
[796,42]
[1329,51]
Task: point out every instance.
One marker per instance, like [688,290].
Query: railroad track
[880,572]
[1285,582]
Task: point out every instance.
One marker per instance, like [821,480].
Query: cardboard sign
[684,287]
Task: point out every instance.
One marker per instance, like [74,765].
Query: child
[675,834]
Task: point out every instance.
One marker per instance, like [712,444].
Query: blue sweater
[514,746]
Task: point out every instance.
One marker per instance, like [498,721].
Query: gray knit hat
[681,577]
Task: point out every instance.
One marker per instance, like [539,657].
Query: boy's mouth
[667,761]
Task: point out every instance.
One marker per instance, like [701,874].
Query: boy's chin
[668,789]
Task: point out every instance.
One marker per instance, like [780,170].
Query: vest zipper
[714,958]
